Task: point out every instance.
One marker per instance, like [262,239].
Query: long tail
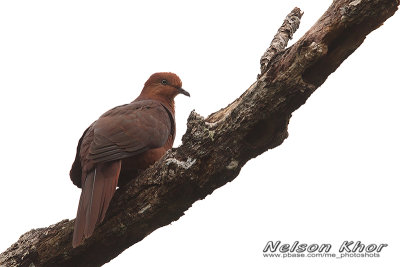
[97,191]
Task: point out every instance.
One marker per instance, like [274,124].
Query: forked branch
[215,149]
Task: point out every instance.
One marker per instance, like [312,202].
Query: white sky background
[336,178]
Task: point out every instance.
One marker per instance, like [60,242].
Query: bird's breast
[132,166]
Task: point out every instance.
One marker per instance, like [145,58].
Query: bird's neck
[168,103]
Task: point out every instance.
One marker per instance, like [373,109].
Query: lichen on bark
[214,149]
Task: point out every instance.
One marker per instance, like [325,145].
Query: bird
[119,144]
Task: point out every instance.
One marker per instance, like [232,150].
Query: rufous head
[164,85]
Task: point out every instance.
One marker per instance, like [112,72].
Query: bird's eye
[164,82]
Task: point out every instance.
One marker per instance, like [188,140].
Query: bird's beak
[184,92]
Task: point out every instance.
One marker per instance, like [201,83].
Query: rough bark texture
[281,38]
[213,149]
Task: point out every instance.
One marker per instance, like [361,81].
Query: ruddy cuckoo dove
[123,141]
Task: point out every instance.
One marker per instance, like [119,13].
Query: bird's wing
[76,169]
[128,130]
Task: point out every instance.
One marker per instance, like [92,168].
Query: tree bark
[214,149]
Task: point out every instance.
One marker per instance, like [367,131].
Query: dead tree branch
[281,38]
[215,149]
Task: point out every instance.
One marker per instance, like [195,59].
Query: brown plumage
[123,141]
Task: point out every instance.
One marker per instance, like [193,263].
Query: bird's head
[163,86]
